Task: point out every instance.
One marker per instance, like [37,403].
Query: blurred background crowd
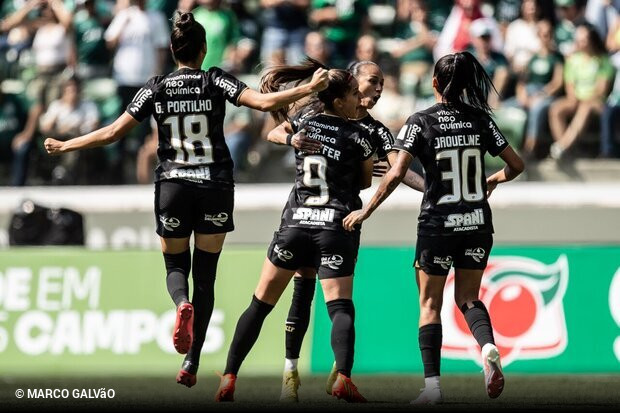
[68,67]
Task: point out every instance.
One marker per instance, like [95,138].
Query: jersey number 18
[192,144]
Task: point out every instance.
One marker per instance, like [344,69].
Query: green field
[392,393]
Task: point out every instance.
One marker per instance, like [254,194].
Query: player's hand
[304,143]
[320,80]
[354,218]
[379,168]
[53,146]
[491,185]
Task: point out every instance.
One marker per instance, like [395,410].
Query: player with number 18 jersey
[189,107]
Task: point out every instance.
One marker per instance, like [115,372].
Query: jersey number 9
[192,144]
[316,181]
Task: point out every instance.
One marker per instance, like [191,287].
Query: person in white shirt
[139,39]
[522,40]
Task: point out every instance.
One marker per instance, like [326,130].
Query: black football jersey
[327,184]
[380,136]
[189,107]
[451,143]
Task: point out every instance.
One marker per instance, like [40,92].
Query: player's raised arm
[100,137]
[270,101]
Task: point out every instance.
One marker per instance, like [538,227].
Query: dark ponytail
[280,77]
[188,37]
[462,80]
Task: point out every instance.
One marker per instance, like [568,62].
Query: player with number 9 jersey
[327,186]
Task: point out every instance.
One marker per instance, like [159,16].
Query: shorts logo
[169,223]
[477,254]
[444,262]
[217,220]
[284,255]
[289,327]
[332,261]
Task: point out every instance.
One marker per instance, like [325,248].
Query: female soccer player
[194,179]
[311,235]
[370,79]
[454,226]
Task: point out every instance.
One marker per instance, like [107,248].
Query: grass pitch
[385,393]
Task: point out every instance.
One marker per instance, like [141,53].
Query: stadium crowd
[68,67]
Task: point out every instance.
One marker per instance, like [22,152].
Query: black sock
[246,333]
[177,273]
[479,322]
[203,299]
[429,338]
[299,315]
[342,314]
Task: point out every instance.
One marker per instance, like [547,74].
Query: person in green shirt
[538,86]
[90,54]
[342,22]
[414,50]
[13,116]
[588,76]
[222,30]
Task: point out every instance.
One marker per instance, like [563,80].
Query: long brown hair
[281,77]
[187,38]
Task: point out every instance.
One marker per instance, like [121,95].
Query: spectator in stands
[70,116]
[139,39]
[238,131]
[316,47]
[223,31]
[245,58]
[455,35]
[50,48]
[570,15]
[610,119]
[540,82]
[368,50]
[494,62]
[342,23]
[521,41]
[89,55]
[13,116]
[415,51]
[286,26]
[588,77]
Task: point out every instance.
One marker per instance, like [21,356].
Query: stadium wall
[74,312]
[553,287]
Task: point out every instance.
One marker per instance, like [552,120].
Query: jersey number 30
[192,143]
[459,175]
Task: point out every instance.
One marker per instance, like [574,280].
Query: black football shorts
[182,208]
[332,253]
[435,255]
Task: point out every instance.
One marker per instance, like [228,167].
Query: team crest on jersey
[332,261]
[282,254]
[169,223]
[525,300]
[218,219]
